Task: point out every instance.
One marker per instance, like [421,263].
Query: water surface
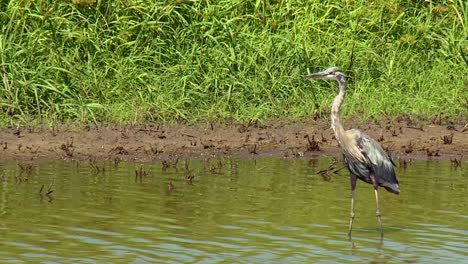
[267,210]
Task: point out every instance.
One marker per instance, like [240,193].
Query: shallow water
[235,211]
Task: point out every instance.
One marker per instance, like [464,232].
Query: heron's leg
[377,213]
[353,189]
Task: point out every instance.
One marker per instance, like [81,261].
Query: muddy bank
[278,138]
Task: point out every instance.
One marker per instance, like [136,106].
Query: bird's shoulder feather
[362,147]
[376,159]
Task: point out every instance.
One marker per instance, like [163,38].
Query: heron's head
[333,73]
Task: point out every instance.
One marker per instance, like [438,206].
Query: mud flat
[276,138]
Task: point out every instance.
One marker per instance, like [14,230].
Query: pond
[224,210]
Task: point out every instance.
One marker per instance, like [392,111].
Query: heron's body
[364,157]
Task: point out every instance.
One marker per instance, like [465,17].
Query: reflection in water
[228,210]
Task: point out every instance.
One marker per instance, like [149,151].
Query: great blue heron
[365,158]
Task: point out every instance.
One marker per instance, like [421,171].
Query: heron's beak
[315,75]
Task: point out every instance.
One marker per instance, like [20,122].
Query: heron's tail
[386,176]
[391,187]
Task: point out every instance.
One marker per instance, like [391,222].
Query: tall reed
[140,60]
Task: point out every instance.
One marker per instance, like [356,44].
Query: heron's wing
[379,161]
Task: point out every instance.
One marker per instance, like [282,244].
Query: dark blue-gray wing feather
[376,162]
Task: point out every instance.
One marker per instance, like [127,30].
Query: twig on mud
[242,128]
[188,135]
[33,151]
[150,130]
[465,128]
[208,145]
[447,139]
[253,150]
[324,140]
[295,152]
[388,148]
[313,145]
[68,147]
[409,148]
[381,138]
[431,152]
[18,131]
[436,120]
[155,150]
[416,127]
[452,127]
[119,150]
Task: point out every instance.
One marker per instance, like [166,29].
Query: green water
[268,210]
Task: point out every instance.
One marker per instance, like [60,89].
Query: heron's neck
[335,111]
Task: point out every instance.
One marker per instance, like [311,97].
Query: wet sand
[276,138]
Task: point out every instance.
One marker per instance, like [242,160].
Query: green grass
[139,60]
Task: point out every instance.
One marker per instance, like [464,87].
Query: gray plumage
[363,156]
[376,162]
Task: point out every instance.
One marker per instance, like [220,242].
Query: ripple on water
[279,214]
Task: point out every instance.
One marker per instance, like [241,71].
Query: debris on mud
[168,143]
